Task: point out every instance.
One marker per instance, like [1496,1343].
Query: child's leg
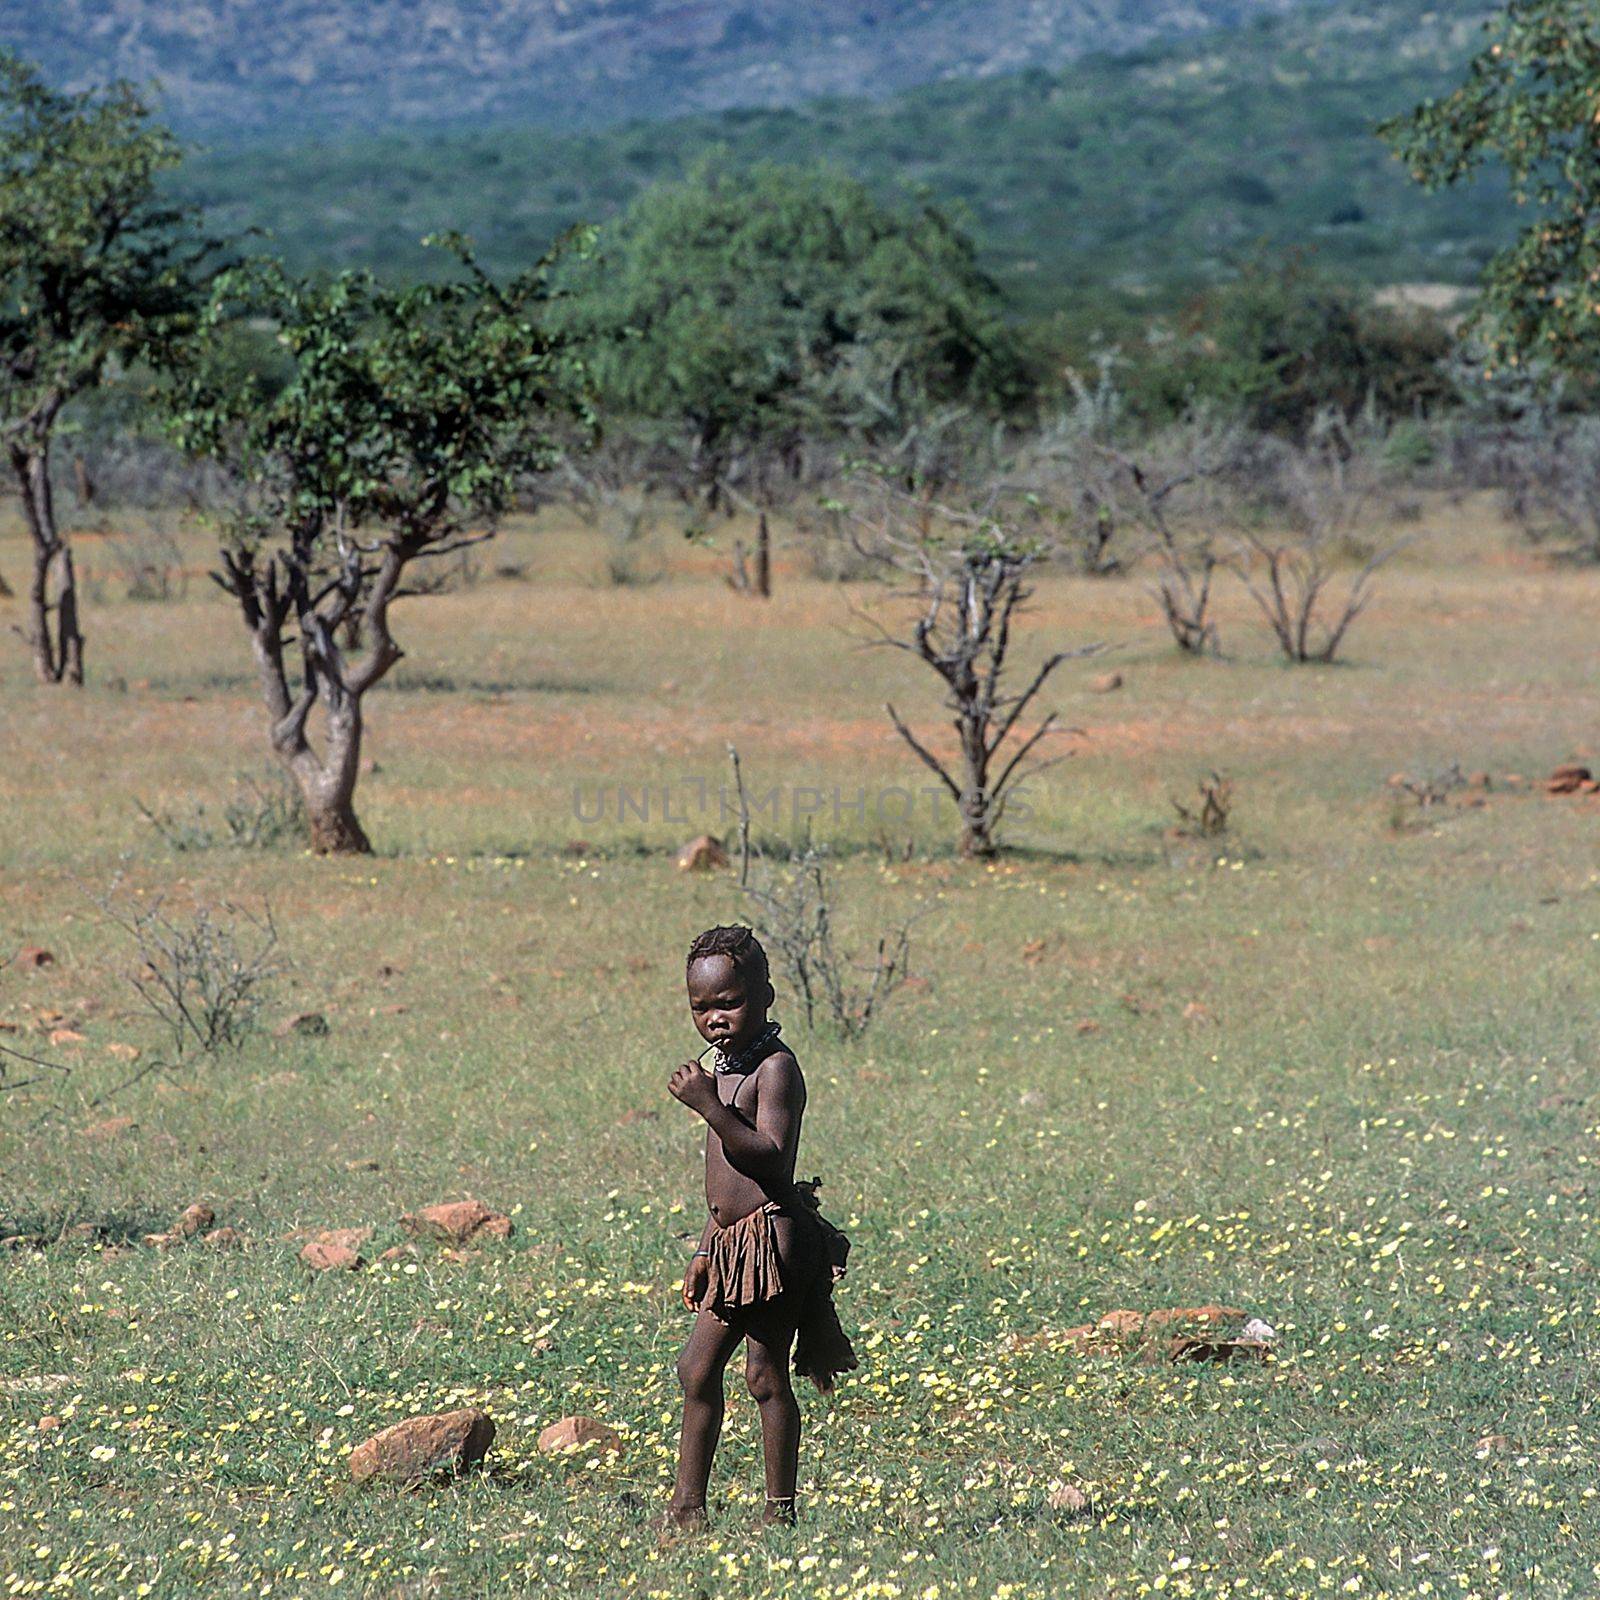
[769,1338]
[700,1368]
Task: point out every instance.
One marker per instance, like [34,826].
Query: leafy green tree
[398,432]
[757,308]
[97,271]
[1285,341]
[1529,101]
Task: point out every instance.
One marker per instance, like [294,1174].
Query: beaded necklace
[721,1062]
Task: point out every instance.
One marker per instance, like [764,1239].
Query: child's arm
[758,1149]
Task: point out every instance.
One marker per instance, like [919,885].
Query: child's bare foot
[685,1519]
[780,1512]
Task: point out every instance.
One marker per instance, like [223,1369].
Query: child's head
[730,989]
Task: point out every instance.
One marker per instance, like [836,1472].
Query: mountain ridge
[243,67]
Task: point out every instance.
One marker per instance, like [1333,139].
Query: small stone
[702,854]
[1567,778]
[1031,1100]
[1087,1025]
[456,1222]
[122,1052]
[1491,1444]
[574,1433]
[64,1036]
[361,1164]
[1064,1497]
[1195,1011]
[194,1219]
[322,1257]
[162,1241]
[1105,683]
[398,1252]
[305,1025]
[420,1447]
[49,1424]
[33,957]
[223,1239]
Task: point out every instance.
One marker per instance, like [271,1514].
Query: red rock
[574,1433]
[194,1219]
[1203,1316]
[49,1424]
[398,1252]
[1064,1497]
[1567,778]
[61,1036]
[123,1052]
[32,957]
[1120,1324]
[223,1239]
[702,854]
[456,1222]
[322,1257]
[421,1447]
[1105,682]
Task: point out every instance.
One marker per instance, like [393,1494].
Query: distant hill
[1146,173]
[232,66]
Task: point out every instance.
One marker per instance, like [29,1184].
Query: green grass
[1379,1133]
[1137,176]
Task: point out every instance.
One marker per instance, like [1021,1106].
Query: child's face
[726,1009]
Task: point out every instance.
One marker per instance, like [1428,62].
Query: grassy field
[1336,1069]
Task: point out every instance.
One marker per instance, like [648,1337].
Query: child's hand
[694,1087]
[695,1282]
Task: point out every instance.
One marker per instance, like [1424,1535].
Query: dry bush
[149,565]
[1210,815]
[204,978]
[1313,505]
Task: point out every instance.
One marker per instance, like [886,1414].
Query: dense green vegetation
[1140,175]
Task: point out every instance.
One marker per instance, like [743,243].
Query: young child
[766,1261]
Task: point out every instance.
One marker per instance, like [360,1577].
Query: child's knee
[766,1379]
[697,1378]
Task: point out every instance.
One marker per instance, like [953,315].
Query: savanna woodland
[1096,564]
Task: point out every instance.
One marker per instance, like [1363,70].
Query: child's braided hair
[739,945]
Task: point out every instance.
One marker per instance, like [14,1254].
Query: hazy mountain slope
[238,65]
[1151,172]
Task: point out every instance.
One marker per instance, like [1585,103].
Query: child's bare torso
[730,1195]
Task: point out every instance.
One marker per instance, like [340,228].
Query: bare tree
[970,591]
[1315,496]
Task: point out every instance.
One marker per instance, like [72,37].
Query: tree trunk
[329,784]
[57,647]
[763,557]
[977,823]
[336,829]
